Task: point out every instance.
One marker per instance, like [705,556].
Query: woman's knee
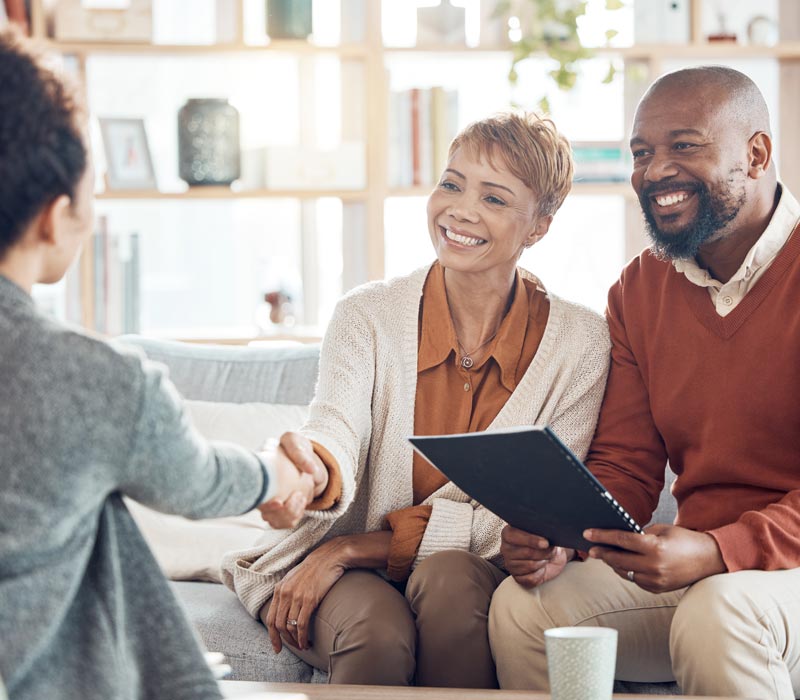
[373,635]
[450,576]
[372,608]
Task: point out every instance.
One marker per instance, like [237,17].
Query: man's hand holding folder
[662,559]
[665,558]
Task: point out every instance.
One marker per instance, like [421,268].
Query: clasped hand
[301,475]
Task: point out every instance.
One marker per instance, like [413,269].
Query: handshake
[297,476]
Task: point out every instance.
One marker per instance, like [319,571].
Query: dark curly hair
[42,150]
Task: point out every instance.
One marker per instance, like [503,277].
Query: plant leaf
[544,105]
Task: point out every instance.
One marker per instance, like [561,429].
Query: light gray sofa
[282,375]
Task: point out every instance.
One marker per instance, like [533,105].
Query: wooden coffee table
[320,691]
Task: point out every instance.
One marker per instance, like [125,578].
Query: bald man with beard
[705,376]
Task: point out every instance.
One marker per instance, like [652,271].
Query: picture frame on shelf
[128,162]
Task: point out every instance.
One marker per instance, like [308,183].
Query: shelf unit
[213,192]
[364,244]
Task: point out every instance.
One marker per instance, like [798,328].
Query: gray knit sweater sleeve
[172,468]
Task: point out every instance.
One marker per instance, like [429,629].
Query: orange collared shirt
[451,399]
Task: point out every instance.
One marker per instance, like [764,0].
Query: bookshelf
[364,236]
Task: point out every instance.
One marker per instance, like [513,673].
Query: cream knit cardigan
[363,411]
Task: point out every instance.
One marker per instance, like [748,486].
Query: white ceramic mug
[581,662]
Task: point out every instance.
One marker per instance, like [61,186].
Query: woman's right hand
[530,559]
[300,451]
[303,473]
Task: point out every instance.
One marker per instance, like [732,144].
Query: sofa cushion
[235,374]
[225,626]
[667,508]
[240,395]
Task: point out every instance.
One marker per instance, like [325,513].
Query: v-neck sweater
[363,413]
[717,397]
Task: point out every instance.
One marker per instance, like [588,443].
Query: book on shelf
[422,123]
[600,161]
[16,12]
[530,479]
[115,281]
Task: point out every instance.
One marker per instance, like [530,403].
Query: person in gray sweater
[85,612]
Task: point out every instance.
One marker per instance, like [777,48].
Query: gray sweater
[85,611]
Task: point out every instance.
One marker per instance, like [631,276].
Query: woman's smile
[461,238]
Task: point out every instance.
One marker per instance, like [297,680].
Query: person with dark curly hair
[85,612]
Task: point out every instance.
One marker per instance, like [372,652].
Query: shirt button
[727,300]
[748,273]
[466,386]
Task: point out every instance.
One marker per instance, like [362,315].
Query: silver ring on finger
[630,576]
[293,623]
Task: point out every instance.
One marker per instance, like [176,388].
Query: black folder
[530,479]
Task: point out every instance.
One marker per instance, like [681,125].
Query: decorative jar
[208,142]
[289,19]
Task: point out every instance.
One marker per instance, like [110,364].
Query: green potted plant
[550,28]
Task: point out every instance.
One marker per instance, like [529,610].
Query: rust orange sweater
[717,397]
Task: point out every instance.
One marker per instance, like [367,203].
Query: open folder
[530,479]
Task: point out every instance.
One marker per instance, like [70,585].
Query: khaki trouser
[733,634]
[366,631]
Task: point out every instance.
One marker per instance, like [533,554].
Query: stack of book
[116,282]
[422,123]
[17,12]
[602,161]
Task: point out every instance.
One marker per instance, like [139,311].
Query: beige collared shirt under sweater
[728,295]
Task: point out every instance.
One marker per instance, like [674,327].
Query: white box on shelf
[662,22]
[253,166]
[302,168]
[75,22]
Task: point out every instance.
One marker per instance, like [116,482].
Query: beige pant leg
[586,593]
[739,635]
[449,594]
[363,633]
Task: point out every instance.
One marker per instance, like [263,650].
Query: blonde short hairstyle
[531,148]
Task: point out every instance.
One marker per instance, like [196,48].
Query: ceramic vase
[288,19]
[208,142]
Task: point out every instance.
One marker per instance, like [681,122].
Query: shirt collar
[780,227]
[438,337]
[507,348]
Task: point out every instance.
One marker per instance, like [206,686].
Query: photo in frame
[128,162]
